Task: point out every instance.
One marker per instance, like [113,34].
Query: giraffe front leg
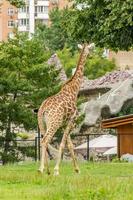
[71,149]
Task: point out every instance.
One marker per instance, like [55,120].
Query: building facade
[123,59]
[8,20]
[35,11]
[26,18]
[58,3]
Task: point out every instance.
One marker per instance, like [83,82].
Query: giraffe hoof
[40,171]
[48,172]
[77,171]
[56,173]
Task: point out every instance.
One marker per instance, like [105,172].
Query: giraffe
[60,108]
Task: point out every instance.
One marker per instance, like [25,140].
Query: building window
[41,9]
[46,9]
[27,9]
[35,9]
[11,35]
[24,9]
[10,11]
[23,22]
[11,23]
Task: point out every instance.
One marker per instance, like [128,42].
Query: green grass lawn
[105,181]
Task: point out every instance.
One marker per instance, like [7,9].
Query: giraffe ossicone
[59,108]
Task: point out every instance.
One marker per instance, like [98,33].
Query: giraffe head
[87,48]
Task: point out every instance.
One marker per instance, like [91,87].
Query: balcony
[23,15]
[42,3]
[41,16]
[23,28]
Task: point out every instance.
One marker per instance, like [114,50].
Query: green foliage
[117,160]
[17,3]
[27,151]
[95,67]
[127,110]
[106,23]
[25,81]
[68,59]
[97,181]
[80,119]
[23,136]
[11,156]
[81,99]
[55,36]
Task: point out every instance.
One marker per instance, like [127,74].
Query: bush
[96,64]
[117,160]
[23,136]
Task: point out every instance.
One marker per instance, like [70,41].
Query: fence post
[35,148]
[39,137]
[118,145]
[88,147]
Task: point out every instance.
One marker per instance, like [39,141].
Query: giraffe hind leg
[62,145]
[41,168]
[44,157]
[52,126]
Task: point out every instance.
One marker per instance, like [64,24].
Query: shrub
[23,136]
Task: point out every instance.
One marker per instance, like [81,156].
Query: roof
[106,82]
[104,141]
[111,151]
[117,121]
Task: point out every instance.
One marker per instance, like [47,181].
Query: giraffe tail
[40,119]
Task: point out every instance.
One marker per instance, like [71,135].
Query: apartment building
[123,59]
[26,18]
[8,19]
[58,3]
[35,11]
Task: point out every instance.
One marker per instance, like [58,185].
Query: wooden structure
[124,126]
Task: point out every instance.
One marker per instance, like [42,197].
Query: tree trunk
[7,142]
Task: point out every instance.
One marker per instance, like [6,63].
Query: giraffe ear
[80,46]
[91,46]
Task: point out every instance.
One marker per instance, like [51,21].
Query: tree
[17,3]
[96,64]
[25,81]
[68,59]
[106,23]
[55,36]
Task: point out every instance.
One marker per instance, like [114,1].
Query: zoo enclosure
[21,149]
[31,149]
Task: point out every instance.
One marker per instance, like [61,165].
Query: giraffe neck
[75,82]
[78,75]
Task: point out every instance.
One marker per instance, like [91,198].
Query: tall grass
[96,182]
